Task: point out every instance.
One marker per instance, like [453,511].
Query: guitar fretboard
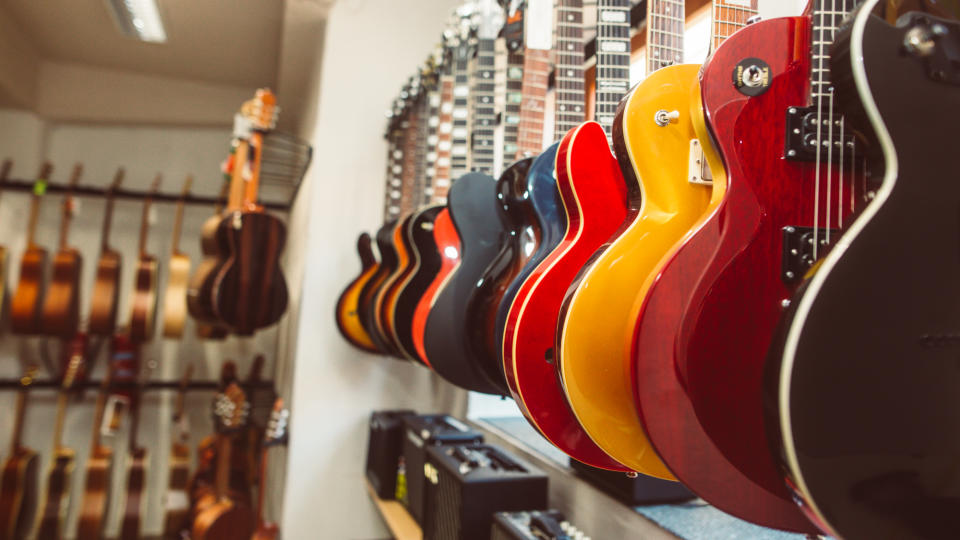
[459,156]
[533,92]
[441,183]
[613,59]
[827,17]
[511,109]
[568,74]
[728,17]
[420,159]
[665,26]
[409,160]
[484,111]
[391,200]
[430,132]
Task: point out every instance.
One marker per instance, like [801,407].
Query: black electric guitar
[863,387]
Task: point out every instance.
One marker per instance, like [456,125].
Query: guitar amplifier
[467,484]
[384,449]
[420,432]
[534,525]
[633,491]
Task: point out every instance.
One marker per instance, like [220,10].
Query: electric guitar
[178,276]
[365,304]
[106,287]
[275,435]
[143,313]
[448,247]
[18,483]
[862,389]
[176,501]
[26,307]
[347,315]
[401,248]
[721,292]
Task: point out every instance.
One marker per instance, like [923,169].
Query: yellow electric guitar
[658,134]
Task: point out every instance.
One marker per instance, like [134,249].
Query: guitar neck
[58,423]
[408,180]
[144,226]
[18,421]
[459,158]
[484,111]
[613,59]
[107,223]
[441,181]
[533,92]
[178,225]
[222,478]
[568,74]
[427,147]
[251,171]
[827,16]
[728,17]
[665,27]
[239,159]
[512,109]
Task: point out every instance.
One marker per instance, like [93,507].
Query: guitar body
[57,503]
[105,296]
[250,291]
[866,417]
[385,297]
[223,520]
[448,247]
[595,204]
[175,297]
[144,315]
[27,305]
[516,247]
[96,495]
[709,318]
[135,496]
[427,263]
[61,307]
[267,531]
[18,494]
[474,211]
[176,499]
[347,312]
[368,295]
[200,291]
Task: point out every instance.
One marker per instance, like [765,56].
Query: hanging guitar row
[753,294]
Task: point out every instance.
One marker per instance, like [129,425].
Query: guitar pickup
[800,143]
[798,250]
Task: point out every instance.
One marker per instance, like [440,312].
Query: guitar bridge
[698,172]
[801,141]
[798,250]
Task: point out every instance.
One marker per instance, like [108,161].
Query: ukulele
[249,291]
[175,297]
[18,484]
[724,288]
[106,287]
[56,503]
[135,495]
[861,388]
[143,313]
[27,304]
[4,299]
[176,500]
[346,314]
[219,516]
[98,482]
[275,435]
[61,307]
[594,198]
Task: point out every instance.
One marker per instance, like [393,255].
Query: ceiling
[231,42]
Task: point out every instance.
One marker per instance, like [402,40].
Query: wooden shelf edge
[401,524]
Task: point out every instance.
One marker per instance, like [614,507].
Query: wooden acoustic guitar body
[250,291]
[223,520]
[347,311]
[200,290]
[709,318]
[448,247]
[426,263]
[383,316]
[27,305]
[176,499]
[516,247]
[473,206]
[595,204]
[135,496]
[267,531]
[863,388]
[96,495]
[105,296]
[144,314]
[61,307]
[18,494]
[175,296]
[365,305]
[57,503]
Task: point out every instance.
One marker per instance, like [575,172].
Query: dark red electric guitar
[706,324]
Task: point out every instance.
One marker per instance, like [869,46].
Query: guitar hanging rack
[14,384]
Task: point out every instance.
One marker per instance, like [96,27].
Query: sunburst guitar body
[347,316]
[368,294]
[385,298]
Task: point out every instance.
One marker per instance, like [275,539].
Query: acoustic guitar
[135,495]
[4,254]
[249,291]
[219,516]
[178,275]
[27,304]
[18,484]
[56,503]
[61,307]
[143,312]
[347,311]
[275,435]
[861,389]
[106,287]
[176,501]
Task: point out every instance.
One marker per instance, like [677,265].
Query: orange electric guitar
[27,304]
[61,307]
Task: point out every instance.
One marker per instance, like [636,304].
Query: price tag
[40,187]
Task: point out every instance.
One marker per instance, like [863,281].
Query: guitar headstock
[40,185]
[28,377]
[230,409]
[262,110]
[489,19]
[68,203]
[75,362]
[276,432]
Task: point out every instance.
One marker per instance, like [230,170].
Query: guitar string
[840,179]
[819,93]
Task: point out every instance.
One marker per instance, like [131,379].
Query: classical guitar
[249,291]
[27,304]
[106,286]
[4,299]
[135,495]
[347,311]
[594,198]
[863,389]
[219,516]
[176,500]
[18,484]
[275,435]
[61,306]
[720,294]
[56,503]
[448,247]
[143,312]
[178,275]
[365,304]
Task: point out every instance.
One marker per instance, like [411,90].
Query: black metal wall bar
[14,384]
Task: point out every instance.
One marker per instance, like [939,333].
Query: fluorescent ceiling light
[139,19]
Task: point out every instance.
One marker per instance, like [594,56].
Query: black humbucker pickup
[798,250]
[801,143]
